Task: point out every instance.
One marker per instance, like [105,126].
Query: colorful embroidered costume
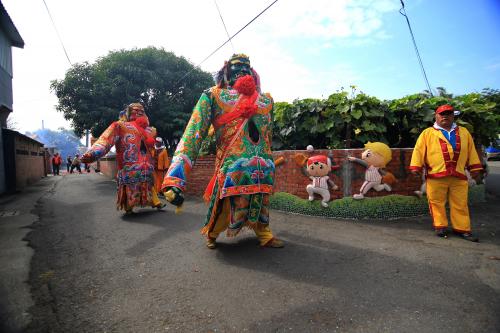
[238,194]
[131,138]
[445,160]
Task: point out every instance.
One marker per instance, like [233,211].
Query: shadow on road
[170,225]
[380,287]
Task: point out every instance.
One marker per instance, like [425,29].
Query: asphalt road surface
[95,270]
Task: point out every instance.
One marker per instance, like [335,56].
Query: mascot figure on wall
[374,159]
[318,169]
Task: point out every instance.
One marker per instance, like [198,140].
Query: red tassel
[210,189]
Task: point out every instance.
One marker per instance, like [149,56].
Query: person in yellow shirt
[446,150]
[161,162]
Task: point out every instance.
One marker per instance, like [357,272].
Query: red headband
[318,158]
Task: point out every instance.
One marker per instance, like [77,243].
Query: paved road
[94,270]
[493,180]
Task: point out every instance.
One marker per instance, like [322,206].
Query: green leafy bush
[351,119]
[386,207]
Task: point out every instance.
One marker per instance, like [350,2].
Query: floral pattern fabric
[134,162]
[244,163]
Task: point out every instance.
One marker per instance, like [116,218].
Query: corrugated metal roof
[9,28]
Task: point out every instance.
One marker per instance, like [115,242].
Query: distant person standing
[161,162]
[76,164]
[56,164]
[447,150]
[68,163]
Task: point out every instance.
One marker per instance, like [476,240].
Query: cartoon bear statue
[318,168]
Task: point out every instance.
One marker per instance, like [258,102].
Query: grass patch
[386,207]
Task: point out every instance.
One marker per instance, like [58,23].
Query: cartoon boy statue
[318,168]
[374,159]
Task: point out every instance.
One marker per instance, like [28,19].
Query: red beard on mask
[142,121]
[141,124]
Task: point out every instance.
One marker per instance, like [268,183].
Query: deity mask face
[135,110]
[239,65]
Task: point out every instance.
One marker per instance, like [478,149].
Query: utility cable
[224,24]
[57,32]
[402,11]
[227,41]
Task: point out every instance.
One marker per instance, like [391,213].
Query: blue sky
[300,48]
[459,43]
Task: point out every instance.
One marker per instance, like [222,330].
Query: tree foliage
[350,119]
[91,95]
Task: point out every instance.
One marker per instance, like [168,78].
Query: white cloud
[327,19]
[192,29]
[493,67]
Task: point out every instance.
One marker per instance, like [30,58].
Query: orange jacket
[161,159]
[56,160]
[433,151]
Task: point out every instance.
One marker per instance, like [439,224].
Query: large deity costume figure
[133,138]
[238,194]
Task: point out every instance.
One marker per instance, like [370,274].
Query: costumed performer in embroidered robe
[446,150]
[132,137]
[238,194]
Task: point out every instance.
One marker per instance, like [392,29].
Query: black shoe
[441,233]
[468,236]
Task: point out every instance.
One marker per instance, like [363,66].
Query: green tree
[352,119]
[413,114]
[343,119]
[91,95]
[480,114]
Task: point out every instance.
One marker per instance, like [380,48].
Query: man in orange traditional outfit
[133,138]
[161,162]
[446,151]
[238,194]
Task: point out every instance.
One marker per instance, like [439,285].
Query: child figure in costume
[318,168]
[238,194]
[161,162]
[374,159]
[132,137]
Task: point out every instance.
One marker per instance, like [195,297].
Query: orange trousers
[262,231]
[455,191]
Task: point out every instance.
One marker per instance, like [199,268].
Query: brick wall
[107,165]
[290,178]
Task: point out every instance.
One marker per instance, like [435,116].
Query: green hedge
[386,207]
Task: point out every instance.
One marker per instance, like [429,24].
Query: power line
[218,48]
[402,11]
[224,24]
[57,32]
